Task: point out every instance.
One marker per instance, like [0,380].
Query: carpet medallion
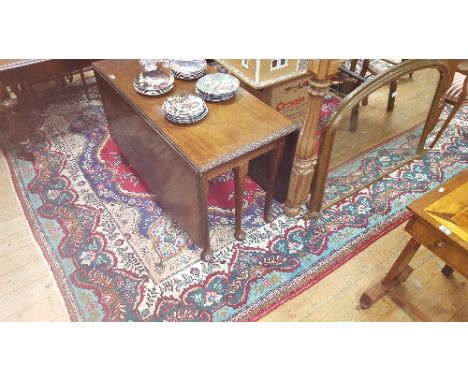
[116,256]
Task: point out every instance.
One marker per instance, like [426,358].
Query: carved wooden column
[305,157]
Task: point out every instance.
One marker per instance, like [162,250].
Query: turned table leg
[19,137]
[85,85]
[275,157]
[207,253]
[124,159]
[240,172]
[398,273]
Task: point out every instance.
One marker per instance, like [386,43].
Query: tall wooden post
[305,157]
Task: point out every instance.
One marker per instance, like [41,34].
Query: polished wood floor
[28,291]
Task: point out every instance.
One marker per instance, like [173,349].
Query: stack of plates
[217,87]
[188,69]
[184,108]
[154,82]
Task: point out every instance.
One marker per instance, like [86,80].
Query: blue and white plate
[154,82]
[188,66]
[188,69]
[188,120]
[210,97]
[153,93]
[184,108]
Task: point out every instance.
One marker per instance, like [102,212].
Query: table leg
[207,253]
[85,85]
[19,137]
[124,159]
[240,173]
[398,273]
[275,157]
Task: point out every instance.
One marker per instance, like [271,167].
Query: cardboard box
[289,98]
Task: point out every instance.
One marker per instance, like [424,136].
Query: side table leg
[207,253]
[398,273]
[124,159]
[19,137]
[240,173]
[85,85]
[275,157]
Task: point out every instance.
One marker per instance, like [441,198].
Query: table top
[446,208]
[231,128]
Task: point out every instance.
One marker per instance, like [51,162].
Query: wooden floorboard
[11,226]
[6,199]
[23,275]
[16,260]
[461,315]
[15,241]
[20,300]
[9,211]
[47,309]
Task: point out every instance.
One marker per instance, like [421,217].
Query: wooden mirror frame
[446,70]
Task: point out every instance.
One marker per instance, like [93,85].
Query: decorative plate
[218,84]
[187,120]
[183,106]
[188,66]
[210,97]
[153,93]
[154,80]
[191,76]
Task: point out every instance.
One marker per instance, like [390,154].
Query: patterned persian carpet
[116,256]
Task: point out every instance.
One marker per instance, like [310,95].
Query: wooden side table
[176,161]
[440,223]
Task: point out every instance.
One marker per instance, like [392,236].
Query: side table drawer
[440,244]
